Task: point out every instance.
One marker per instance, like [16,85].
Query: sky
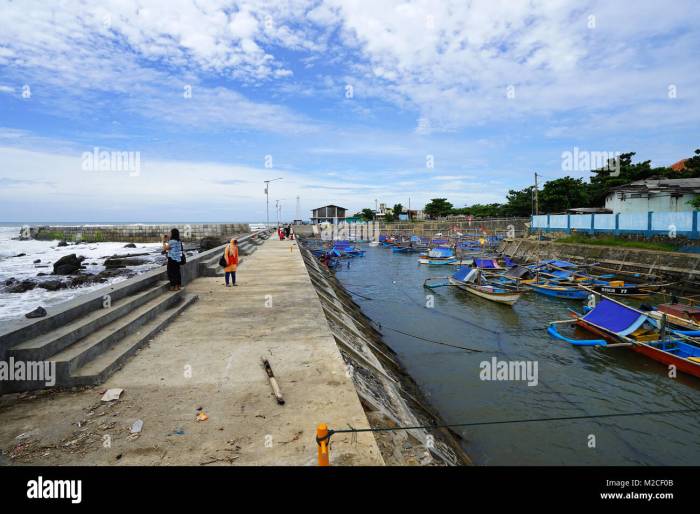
[348,102]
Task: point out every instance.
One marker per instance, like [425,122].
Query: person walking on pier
[231,256]
[176,253]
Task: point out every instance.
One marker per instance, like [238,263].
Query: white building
[658,195]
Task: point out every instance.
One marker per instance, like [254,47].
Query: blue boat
[558,291]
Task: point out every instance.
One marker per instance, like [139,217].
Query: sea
[20,267]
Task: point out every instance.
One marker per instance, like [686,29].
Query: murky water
[571,381]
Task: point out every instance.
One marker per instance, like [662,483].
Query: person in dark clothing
[176,252]
[287,230]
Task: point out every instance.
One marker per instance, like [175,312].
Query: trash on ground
[112,394]
[202,417]
[137,426]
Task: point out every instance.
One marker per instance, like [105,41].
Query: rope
[510,421]
[431,340]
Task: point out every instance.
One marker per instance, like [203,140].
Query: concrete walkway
[210,358]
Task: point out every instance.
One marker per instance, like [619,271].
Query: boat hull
[559,292]
[681,364]
[508,298]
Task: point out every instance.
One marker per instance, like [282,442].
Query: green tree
[398,209]
[563,193]
[622,172]
[367,214]
[692,166]
[519,202]
[438,207]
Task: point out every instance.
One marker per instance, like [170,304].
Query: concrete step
[90,347]
[46,345]
[98,369]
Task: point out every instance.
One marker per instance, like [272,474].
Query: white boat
[472,282]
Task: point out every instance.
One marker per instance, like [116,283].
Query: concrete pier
[209,358]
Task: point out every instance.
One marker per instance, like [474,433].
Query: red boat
[621,325]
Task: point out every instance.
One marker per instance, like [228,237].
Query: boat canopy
[440,252]
[486,263]
[465,274]
[415,239]
[382,238]
[615,317]
[440,241]
[519,272]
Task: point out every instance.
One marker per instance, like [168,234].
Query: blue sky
[347,101]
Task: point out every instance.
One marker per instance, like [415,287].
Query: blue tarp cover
[558,264]
[461,273]
[561,273]
[615,317]
[486,263]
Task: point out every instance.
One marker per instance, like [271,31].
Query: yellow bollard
[323,450]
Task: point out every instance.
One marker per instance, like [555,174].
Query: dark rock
[53,285]
[67,264]
[41,274]
[39,312]
[20,255]
[130,245]
[121,262]
[10,281]
[85,280]
[209,242]
[37,261]
[62,243]
[21,287]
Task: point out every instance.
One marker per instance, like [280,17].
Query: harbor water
[571,382]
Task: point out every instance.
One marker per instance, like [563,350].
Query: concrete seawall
[209,360]
[430,228]
[132,233]
[389,396]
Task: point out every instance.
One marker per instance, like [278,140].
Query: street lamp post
[267,199]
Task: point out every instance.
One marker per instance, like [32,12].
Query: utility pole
[298,216]
[267,199]
[537,200]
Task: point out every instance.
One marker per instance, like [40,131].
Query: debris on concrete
[137,426]
[112,394]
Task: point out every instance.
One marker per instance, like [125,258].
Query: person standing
[231,256]
[175,252]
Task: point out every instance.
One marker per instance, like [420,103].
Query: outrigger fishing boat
[438,256]
[347,249]
[558,290]
[622,326]
[472,280]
